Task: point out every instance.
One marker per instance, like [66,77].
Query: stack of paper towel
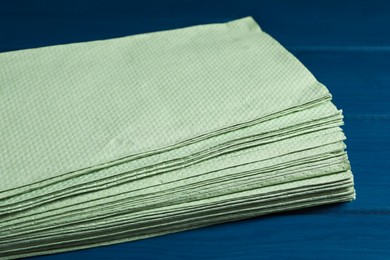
[124,139]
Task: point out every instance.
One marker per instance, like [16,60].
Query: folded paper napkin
[117,140]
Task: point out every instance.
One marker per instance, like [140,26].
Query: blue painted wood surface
[346,45]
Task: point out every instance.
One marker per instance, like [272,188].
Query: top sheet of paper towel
[64,108]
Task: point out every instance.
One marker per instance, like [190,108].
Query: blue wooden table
[346,45]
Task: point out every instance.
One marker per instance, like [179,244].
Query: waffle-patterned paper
[116,140]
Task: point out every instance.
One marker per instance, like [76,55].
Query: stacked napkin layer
[124,139]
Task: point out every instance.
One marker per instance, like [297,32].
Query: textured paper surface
[80,105]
